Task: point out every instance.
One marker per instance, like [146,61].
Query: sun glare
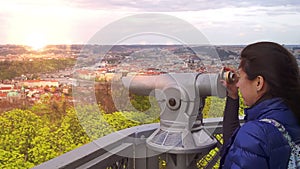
[36,41]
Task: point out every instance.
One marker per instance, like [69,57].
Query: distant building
[6,85]
[5,89]
[39,83]
[3,96]
[13,96]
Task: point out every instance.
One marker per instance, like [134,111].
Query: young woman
[268,80]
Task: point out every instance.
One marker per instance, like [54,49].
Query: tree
[20,132]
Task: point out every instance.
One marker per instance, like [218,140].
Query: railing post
[130,164]
[140,156]
[145,158]
[152,159]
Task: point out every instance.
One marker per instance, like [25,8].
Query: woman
[268,80]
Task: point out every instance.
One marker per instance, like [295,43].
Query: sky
[222,22]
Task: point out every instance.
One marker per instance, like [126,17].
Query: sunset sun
[36,41]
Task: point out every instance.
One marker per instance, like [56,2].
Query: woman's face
[247,88]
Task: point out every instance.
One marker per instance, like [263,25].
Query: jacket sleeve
[231,118]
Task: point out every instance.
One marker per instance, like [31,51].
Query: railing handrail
[96,148]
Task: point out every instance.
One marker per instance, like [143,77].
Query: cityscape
[91,64]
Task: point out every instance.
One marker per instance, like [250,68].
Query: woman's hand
[232,90]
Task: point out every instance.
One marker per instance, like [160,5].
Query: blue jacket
[259,144]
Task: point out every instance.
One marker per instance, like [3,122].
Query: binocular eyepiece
[228,76]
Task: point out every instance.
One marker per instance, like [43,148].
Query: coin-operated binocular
[180,97]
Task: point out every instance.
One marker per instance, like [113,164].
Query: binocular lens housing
[229,76]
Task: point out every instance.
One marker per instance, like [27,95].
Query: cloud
[79,19]
[178,5]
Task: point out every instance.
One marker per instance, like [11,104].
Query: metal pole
[181,161]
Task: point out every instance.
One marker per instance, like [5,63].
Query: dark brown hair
[278,67]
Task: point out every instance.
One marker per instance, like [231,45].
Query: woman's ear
[260,82]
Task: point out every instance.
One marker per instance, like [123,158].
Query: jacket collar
[263,108]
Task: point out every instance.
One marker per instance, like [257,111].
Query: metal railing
[127,149]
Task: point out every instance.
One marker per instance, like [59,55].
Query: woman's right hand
[232,90]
